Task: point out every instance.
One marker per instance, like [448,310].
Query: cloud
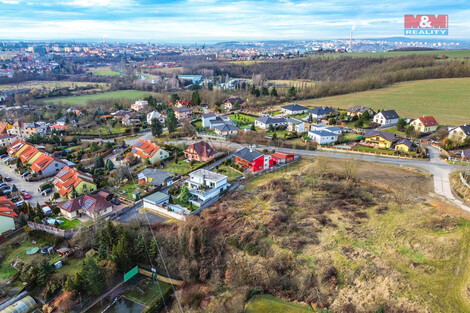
[99,3]
[9,2]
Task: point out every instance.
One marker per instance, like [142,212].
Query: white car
[19,203]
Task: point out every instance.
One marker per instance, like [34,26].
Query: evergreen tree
[45,270]
[102,250]
[271,128]
[253,128]
[291,92]
[153,249]
[365,116]
[174,97]
[171,120]
[401,123]
[264,91]
[196,98]
[185,194]
[274,137]
[273,92]
[92,276]
[109,165]
[156,127]
[123,254]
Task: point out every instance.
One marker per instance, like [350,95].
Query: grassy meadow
[48,84]
[448,100]
[82,100]
[269,304]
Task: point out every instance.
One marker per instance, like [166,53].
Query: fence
[64,233]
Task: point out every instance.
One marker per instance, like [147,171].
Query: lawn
[197,124]
[182,167]
[103,130]
[270,304]
[77,100]
[242,119]
[69,224]
[146,291]
[279,133]
[394,130]
[446,99]
[228,171]
[351,136]
[106,73]
[361,148]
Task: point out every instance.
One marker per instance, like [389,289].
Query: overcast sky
[209,20]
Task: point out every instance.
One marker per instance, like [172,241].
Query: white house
[332,129]
[295,125]
[47,165]
[322,112]
[205,185]
[460,133]
[294,108]
[7,215]
[387,117]
[206,118]
[265,121]
[139,105]
[323,137]
[155,115]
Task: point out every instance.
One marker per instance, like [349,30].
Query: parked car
[115,201]
[23,190]
[3,156]
[26,196]
[7,178]
[3,185]
[19,203]
[6,191]
[47,191]
[7,159]
[25,174]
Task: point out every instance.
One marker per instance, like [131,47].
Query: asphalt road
[30,187]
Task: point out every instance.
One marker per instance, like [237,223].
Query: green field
[48,84]
[127,94]
[106,73]
[69,224]
[182,167]
[231,173]
[269,304]
[448,100]
[242,119]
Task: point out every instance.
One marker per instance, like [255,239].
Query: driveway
[30,187]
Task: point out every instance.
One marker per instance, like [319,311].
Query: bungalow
[403,145]
[183,113]
[94,206]
[358,110]
[294,108]
[200,151]
[66,121]
[139,105]
[205,185]
[322,112]
[323,136]
[155,115]
[69,179]
[252,159]
[380,139]
[295,125]
[47,165]
[460,133]
[265,121]
[155,177]
[226,130]
[231,103]
[147,150]
[7,215]
[333,129]
[282,158]
[425,124]
[387,117]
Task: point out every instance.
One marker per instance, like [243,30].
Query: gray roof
[294,107]
[323,133]
[158,176]
[157,197]
[466,153]
[182,109]
[207,175]
[212,114]
[226,127]
[359,108]
[405,142]
[270,120]
[323,111]
[248,154]
[373,133]
[389,114]
[294,121]
[466,129]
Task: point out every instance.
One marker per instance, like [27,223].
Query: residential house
[226,130]
[155,177]
[139,105]
[30,154]
[75,111]
[200,151]
[69,179]
[293,109]
[322,112]
[358,110]
[252,159]
[283,158]
[47,165]
[155,200]
[4,127]
[155,115]
[386,117]
[66,121]
[205,185]
[94,206]
[184,103]
[206,118]
[219,121]
[460,133]
[295,125]
[425,124]
[30,129]
[230,103]
[403,145]
[323,136]
[147,150]
[380,139]
[129,120]
[120,114]
[7,140]
[16,129]
[16,147]
[183,113]
[333,129]
[265,121]
[7,215]
[465,154]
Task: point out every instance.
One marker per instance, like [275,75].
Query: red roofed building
[282,158]
[7,215]
[59,127]
[147,150]
[47,165]
[92,205]
[199,151]
[30,154]
[69,179]
[17,147]
[184,103]
[425,124]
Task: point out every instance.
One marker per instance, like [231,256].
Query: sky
[210,20]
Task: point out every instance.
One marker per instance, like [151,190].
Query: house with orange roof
[147,150]
[425,124]
[47,165]
[69,179]
[17,147]
[7,215]
[30,154]
[4,127]
[16,129]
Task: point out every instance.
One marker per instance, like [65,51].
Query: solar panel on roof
[67,204]
[88,203]
[61,173]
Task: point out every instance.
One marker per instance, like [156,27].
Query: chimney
[251,149]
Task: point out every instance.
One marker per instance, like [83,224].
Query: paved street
[30,187]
